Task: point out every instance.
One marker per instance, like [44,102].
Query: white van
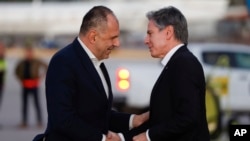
[227,70]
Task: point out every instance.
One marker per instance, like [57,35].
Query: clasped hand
[140,119]
[111,136]
[137,121]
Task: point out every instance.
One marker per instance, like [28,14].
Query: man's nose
[116,43]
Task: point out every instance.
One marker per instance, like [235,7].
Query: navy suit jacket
[177,104]
[77,105]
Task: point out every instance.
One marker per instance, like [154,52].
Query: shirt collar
[167,57]
[95,61]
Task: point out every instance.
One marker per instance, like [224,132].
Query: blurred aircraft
[64,18]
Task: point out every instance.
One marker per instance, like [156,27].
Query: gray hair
[95,17]
[171,16]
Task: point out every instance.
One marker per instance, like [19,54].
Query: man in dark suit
[78,89]
[177,104]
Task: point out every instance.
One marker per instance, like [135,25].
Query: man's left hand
[140,137]
[111,136]
[140,119]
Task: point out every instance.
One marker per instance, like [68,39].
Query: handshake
[137,121]
[112,136]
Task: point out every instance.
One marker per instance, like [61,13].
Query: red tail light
[122,79]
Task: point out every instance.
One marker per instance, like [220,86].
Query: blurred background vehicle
[227,71]
[52,24]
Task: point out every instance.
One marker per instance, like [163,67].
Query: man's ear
[92,36]
[169,31]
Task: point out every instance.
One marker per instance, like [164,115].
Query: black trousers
[25,96]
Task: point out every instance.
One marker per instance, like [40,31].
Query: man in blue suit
[177,103]
[78,89]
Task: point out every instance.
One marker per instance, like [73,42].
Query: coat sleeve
[119,122]
[18,70]
[135,131]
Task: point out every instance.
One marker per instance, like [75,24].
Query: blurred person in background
[2,71]
[78,89]
[177,103]
[29,72]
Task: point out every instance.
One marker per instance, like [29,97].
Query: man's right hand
[111,136]
[140,119]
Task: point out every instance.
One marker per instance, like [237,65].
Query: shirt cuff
[147,135]
[131,121]
[103,138]
[121,136]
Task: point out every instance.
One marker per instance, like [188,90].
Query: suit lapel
[106,75]
[89,66]
[159,79]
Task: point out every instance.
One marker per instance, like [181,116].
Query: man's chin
[106,57]
[153,55]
